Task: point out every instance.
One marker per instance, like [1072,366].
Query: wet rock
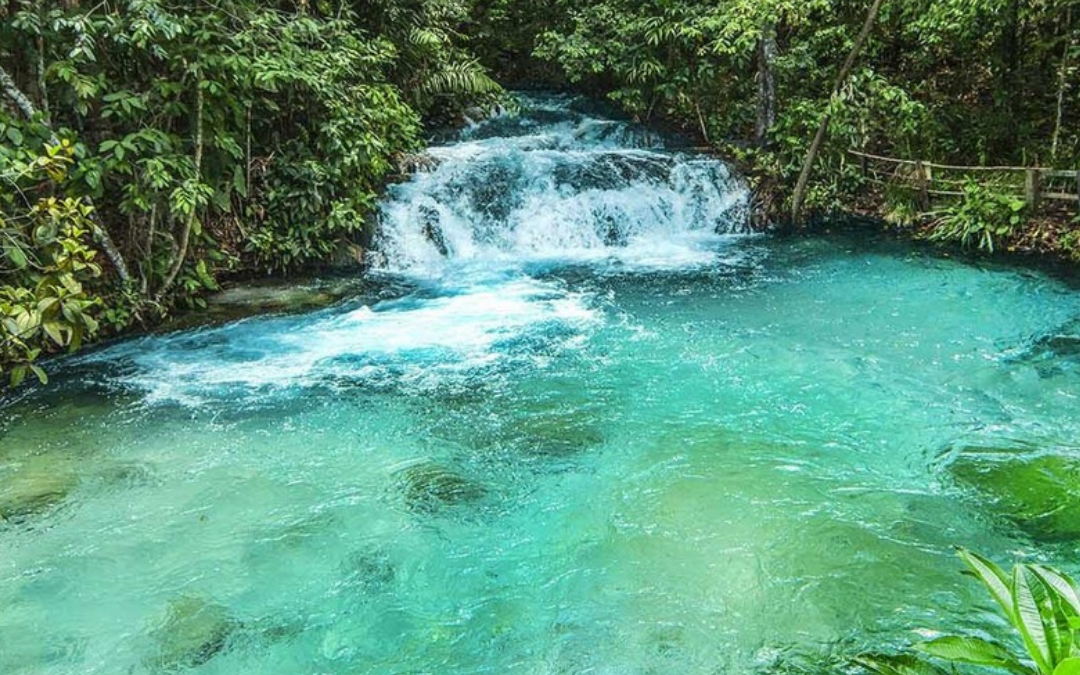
[274,298]
[431,487]
[1039,493]
[32,486]
[192,632]
[432,231]
[416,162]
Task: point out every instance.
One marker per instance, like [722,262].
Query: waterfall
[552,183]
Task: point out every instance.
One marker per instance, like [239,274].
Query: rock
[556,435]
[275,298]
[432,231]
[431,487]
[127,475]
[1039,493]
[368,570]
[192,632]
[33,485]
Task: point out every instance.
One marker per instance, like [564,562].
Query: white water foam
[567,190]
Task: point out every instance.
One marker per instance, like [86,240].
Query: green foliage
[1039,602]
[981,217]
[208,138]
[46,261]
[950,81]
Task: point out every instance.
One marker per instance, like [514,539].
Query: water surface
[576,422]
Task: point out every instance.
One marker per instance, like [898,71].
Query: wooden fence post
[1031,188]
[923,183]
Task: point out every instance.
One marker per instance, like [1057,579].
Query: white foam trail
[416,340]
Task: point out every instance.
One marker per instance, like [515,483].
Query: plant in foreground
[982,217]
[1041,603]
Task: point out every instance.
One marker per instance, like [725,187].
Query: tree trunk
[1010,74]
[101,235]
[189,222]
[1063,83]
[823,128]
[12,91]
[766,81]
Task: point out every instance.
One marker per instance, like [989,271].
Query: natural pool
[574,423]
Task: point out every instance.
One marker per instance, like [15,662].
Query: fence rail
[1035,184]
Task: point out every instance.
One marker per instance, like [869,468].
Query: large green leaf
[900,664]
[1068,667]
[973,650]
[993,577]
[1029,618]
[1061,585]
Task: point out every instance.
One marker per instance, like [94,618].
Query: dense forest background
[149,147]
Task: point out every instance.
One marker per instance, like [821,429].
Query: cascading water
[571,423]
[559,186]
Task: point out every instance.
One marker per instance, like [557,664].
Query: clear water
[575,423]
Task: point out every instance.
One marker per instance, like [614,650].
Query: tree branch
[189,222]
[823,128]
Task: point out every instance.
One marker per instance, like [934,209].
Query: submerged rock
[1055,353]
[1040,493]
[431,487]
[192,632]
[127,475]
[556,435]
[368,570]
[33,485]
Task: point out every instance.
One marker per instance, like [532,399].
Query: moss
[192,632]
[1040,494]
[431,487]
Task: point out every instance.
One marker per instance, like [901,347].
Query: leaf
[14,135]
[55,332]
[1068,667]
[1029,620]
[17,257]
[18,374]
[972,650]
[1061,585]
[993,577]
[902,664]
[240,181]
[42,377]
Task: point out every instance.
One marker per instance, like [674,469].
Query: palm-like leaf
[973,650]
[464,77]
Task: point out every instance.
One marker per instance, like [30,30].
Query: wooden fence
[1038,186]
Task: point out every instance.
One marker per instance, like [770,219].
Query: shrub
[982,217]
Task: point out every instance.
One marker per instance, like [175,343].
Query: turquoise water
[574,423]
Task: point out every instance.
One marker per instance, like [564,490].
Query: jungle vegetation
[149,147]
